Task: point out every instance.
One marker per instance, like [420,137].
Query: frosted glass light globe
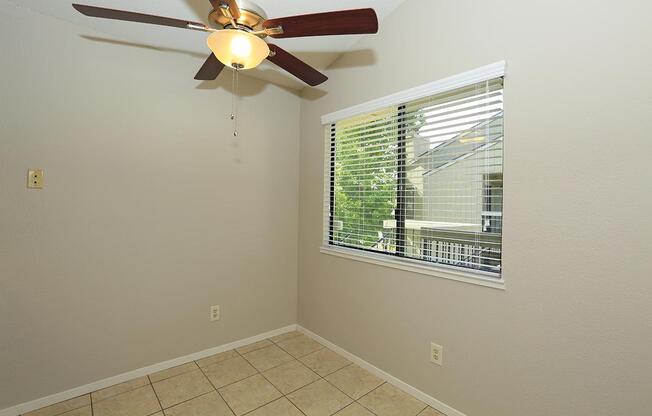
[237,48]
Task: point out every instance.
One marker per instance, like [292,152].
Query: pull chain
[234,102]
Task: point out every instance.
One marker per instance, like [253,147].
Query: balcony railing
[472,250]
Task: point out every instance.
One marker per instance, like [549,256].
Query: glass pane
[450,148]
[365,186]
[456,181]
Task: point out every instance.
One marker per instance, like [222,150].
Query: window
[421,181]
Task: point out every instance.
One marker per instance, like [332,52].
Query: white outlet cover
[436,353]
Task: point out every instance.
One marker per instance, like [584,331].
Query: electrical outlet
[215,313]
[35,178]
[436,353]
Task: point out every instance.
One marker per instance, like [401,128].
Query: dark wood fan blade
[296,66]
[103,13]
[344,22]
[210,70]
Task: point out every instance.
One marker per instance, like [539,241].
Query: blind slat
[421,180]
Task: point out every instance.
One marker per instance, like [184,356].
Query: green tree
[366,180]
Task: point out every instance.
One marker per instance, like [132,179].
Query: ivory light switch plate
[35,178]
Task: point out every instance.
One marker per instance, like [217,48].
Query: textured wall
[571,333]
[150,214]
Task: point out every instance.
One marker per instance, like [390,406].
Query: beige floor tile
[431,412]
[281,407]
[171,372]
[290,376]
[255,346]
[319,399]
[354,410]
[82,411]
[119,388]
[139,402]
[210,404]
[354,381]
[287,335]
[267,358]
[324,361]
[229,371]
[180,388]
[387,400]
[217,358]
[300,346]
[249,394]
[63,407]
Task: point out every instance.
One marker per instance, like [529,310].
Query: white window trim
[480,278]
[473,76]
[412,265]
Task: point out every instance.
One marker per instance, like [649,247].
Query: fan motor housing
[252,16]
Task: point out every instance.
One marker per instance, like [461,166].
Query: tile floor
[287,375]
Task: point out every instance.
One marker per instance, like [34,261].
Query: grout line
[267,369]
[186,401]
[65,411]
[384,376]
[341,368]
[118,394]
[331,384]
[372,390]
[256,349]
[356,402]
[273,401]
[283,396]
[167,378]
[232,383]
[258,372]
[286,394]
[319,375]
[294,405]
[239,355]
[295,336]
[213,385]
[64,396]
[304,355]
[218,362]
[265,404]
[151,385]
[337,388]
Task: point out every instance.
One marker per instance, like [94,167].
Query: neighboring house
[454,198]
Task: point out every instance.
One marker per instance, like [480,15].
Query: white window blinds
[421,180]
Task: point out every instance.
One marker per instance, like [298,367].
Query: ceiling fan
[238,29]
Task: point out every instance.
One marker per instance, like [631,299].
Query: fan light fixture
[246,20]
[237,48]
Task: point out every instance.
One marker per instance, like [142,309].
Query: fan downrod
[251,17]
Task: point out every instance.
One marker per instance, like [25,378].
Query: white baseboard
[429,400]
[120,378]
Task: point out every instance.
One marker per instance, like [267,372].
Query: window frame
[398,260]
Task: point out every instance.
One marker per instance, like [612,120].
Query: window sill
[415,266]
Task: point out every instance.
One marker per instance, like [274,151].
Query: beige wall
[151,211]
[571,334]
